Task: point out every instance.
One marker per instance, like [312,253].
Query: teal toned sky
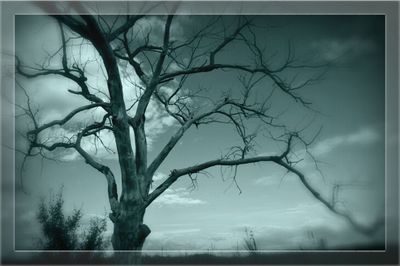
[350,104]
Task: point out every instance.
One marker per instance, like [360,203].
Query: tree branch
[66,72]
[73,24]
[227,41]
[145,99]
[365,229]
[177,136]
[124,28]
[211,67]
[32,138]
[175,174]
[68,117]
[281,160]
[106,171]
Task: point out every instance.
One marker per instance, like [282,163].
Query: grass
[302,257]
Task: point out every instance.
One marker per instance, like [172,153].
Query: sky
[350,108]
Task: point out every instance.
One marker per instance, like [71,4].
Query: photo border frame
[391,11]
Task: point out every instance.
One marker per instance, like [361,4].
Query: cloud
[157,122]
[183,231]
[308,236]
[331,49]
[156,24]
[301,209]
[50,95]
[361,137]
[267,181]
[179,196]
[159,176]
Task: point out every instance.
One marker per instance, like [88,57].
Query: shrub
[60,231]
[249,241]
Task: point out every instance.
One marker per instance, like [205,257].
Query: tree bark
[129,233]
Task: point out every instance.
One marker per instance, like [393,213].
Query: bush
[93,238]
[60,232]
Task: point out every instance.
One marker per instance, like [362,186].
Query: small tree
[60,232]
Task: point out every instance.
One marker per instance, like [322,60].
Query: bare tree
[163,69]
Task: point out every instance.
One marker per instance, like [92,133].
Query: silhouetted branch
[125,27]
[175,174]
[281,160]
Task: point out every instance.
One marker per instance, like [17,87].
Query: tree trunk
[129,234]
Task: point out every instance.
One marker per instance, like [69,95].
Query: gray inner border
[389,9]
